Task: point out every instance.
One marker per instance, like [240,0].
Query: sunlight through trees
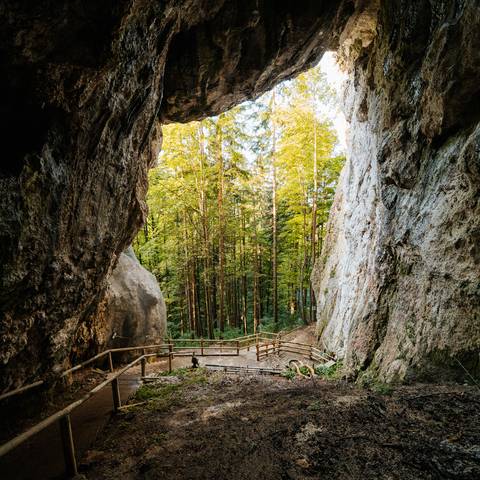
[238,207]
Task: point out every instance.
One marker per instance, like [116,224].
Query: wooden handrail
[256,337]
[38,383]
[65,412]
[21,389]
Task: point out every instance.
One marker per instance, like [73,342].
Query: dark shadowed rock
[84,86]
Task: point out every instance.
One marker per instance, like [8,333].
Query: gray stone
[398,287]
[135,311]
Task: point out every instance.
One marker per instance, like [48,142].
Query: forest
[238,206]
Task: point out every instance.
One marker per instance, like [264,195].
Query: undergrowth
[330,373]
[162,395]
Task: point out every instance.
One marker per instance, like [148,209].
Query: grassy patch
[331,373]
[315,406]
[382,388]
[162,395]
[155,391]
[178,372]
[288,373]
[368,381]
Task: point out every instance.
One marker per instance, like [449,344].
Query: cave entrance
[238,205]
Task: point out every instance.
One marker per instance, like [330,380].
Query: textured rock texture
[84,86]
[398,287]
[132,311]
[135,309]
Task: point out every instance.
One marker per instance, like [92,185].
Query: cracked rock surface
[84,87]
[398,287]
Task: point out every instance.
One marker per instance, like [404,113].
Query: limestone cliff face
[398,287]
[83,89]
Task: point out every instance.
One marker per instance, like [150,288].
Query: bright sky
[336,79]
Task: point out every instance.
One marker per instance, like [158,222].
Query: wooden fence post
[143,363]
[201,346]
[238,348]
[170,354]
[117,402]
[110,361]
[68,446]
[258,353]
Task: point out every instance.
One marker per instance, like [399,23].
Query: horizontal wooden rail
[270,346]
[15,442]
[265,342]
[80,366]
[21,389]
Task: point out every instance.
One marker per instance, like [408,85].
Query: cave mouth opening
[260,176]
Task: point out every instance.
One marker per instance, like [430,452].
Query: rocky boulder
[135,311]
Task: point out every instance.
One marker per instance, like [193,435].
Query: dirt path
[44,451]
[213,426]
[41,456]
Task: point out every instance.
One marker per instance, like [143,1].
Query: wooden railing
[265,343]
[63,416]
[266,347]
[97,357]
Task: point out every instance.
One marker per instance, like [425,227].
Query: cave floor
[214,426]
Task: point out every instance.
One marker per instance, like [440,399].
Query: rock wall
[398,285]
[84,87]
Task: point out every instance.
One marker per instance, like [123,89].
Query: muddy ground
[215,426]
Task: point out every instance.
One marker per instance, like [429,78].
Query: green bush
[288,373]
[329,372]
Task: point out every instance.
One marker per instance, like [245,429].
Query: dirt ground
[215,426]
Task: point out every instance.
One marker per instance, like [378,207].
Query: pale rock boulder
[135,311]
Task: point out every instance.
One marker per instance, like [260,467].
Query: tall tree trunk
[304,263]
[221,231]
[274,215]
[256,280]
[312,308]
[206,238]
[197,296]
[244,277]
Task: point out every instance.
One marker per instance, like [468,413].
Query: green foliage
[382,388]
[208,236]
[156,391]
[305,371]
[164,395]
[329,372]
[369,381]
[289,373]
[315,406]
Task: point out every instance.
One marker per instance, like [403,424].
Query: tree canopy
[237,209]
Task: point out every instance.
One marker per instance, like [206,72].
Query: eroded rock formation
[398,287]
[132,312]
[135,309]
[83,88]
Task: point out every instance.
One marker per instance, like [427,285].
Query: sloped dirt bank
[210,426]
